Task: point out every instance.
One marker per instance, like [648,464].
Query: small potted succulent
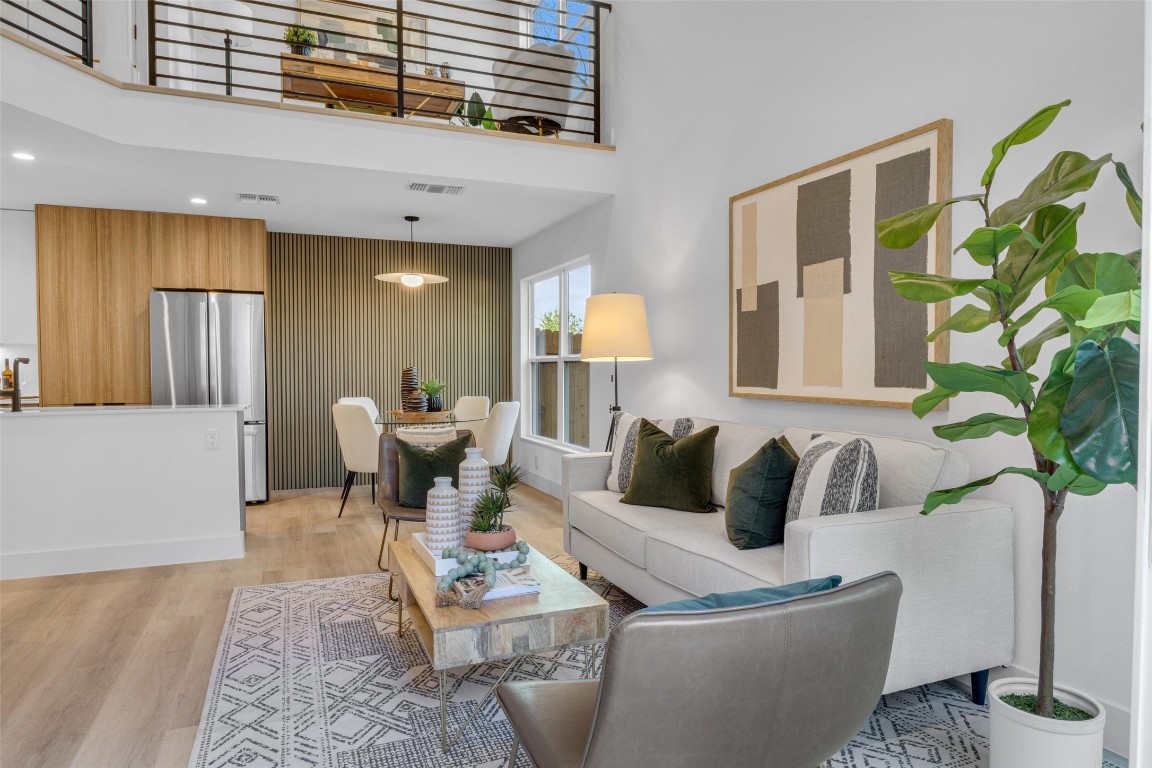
[489,532]
[434,389]
[300,40]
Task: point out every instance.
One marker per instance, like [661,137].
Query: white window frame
[530,357]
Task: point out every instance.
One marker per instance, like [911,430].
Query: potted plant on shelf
[300,40]
[1079,415]
[488,532]
[434,390]
[475,113]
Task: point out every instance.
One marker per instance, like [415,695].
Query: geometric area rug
[313,674]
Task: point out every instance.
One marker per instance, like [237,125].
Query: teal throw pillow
[747,598]
[419,468]
[671,473]
[757,500]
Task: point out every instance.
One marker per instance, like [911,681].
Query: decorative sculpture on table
[409,385]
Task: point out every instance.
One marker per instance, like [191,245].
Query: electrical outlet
[212,440]
[536,462]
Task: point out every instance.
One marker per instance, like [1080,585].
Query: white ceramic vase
[443,516]
[475,478]
[1019,739]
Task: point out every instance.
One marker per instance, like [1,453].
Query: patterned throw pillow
[624,446]
[834,479]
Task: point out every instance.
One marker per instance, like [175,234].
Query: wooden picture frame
[812,314]
[365,33]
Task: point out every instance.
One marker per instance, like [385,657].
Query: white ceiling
[73,167]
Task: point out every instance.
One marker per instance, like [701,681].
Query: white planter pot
[1019,739]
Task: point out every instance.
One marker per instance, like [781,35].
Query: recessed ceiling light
[198,201]
[23,156]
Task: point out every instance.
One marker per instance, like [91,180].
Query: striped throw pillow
[834,479]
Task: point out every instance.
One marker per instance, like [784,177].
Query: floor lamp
[616,329]
[231,31]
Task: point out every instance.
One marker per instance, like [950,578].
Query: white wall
[95,489]
[800,83]
[18,293]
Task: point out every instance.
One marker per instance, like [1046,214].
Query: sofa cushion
[672,473]
[624,528]
[758,496]
[700,560]
[747,598]
[909,470]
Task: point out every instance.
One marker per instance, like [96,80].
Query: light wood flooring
[109,669]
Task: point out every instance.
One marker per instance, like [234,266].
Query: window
[568,22]
[557,392]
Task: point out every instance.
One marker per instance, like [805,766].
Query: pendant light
[411,278]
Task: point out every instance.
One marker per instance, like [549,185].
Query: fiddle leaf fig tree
[1080,415]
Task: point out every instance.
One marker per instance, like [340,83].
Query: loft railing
[63,25]
[508,65]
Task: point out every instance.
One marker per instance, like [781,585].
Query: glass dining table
[390,420]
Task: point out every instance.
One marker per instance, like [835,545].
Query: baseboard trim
[1117,720]
[540,483]
[24,565]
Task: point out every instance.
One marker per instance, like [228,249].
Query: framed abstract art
[812,314]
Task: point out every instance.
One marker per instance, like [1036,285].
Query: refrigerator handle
[216,362]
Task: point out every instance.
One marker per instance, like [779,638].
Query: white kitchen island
[100,488]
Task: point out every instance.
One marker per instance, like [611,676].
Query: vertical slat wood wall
[334,330]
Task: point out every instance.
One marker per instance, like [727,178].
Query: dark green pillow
[419,468]
[676,474]
[757,500]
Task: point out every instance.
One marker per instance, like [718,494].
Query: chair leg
[347,488]
[373,476]
[391,581]
[383,541]
[515,751]
[583,572]
[980,687]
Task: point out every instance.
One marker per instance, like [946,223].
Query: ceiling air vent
[251,198]
[435,189]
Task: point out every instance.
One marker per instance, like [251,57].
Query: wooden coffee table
[564,613]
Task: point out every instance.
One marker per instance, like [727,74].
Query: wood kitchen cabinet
[124,252]
[68,305]
[180,250]
[95,272]
[237,254]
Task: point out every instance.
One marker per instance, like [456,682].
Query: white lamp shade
[238,29]
[615,328]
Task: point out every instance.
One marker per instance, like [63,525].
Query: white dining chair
[369,405]
[472,408]
[359,445]
[534,86]
[495,436]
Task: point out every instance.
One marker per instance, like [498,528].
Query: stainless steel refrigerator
[208,349]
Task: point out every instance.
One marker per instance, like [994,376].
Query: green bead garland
[469,563]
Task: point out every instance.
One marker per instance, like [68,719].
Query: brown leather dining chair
[388,493]
[781,685]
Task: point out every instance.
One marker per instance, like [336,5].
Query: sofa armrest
[957,614]
[582,472]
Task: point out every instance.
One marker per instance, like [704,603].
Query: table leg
[445,743]
[399,608]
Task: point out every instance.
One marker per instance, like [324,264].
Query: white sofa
[957,612]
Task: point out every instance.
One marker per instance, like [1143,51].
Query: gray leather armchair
[771,686]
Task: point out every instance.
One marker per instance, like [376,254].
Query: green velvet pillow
[676,474]
[757,500]
[419,468]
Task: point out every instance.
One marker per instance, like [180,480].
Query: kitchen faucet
[16,407]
